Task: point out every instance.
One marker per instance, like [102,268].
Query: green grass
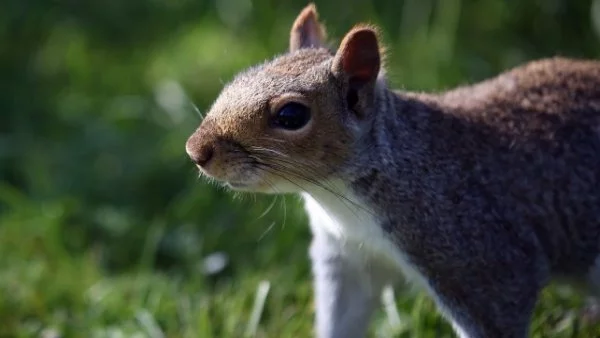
[48,285]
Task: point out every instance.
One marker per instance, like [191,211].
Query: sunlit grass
[47,288]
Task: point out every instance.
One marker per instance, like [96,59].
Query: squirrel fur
[481,195]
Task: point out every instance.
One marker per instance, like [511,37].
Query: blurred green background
[105,228]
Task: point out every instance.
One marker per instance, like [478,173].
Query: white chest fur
[345,218]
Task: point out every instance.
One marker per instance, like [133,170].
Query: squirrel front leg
[344,295]
[491,300]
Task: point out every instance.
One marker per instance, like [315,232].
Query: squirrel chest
[345,219]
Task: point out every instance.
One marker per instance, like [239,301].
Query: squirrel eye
[292,116]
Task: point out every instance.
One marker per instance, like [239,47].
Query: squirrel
[482,195]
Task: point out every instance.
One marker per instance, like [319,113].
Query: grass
[49,288]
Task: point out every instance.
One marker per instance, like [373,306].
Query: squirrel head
[294,120]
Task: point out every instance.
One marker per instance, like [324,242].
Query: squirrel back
[519,152]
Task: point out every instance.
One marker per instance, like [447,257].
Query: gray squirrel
[481,195]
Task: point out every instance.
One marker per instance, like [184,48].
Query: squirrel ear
[307,32]
[358,58]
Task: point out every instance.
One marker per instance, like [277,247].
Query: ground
[52,286]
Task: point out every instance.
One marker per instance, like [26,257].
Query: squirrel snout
[199,152]
[203,156]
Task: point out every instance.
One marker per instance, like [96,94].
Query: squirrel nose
[202,146]
[203,155]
